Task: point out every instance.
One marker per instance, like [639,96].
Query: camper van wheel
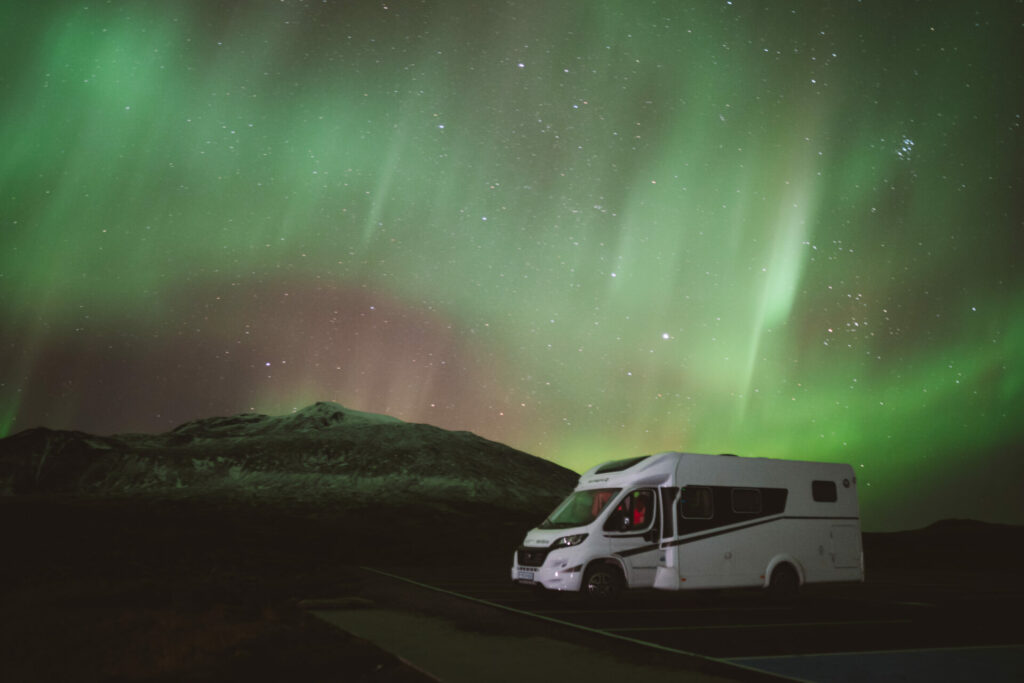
[602,582]
[784,583]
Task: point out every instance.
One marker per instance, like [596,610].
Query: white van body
[678,521]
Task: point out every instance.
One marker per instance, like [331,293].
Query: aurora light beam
[585,229]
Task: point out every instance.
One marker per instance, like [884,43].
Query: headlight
[566,541]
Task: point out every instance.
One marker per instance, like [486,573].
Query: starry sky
[589,230]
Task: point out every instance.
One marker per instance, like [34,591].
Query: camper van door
[845,545]
[633,535]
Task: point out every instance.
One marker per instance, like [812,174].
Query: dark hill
[321,453]
[963,546]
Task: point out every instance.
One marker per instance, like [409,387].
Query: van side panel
[816,528]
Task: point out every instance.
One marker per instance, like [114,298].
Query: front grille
[531,557]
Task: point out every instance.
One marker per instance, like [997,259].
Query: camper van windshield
[579,509]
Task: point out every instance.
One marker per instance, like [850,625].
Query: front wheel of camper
[602,583]
[784,583]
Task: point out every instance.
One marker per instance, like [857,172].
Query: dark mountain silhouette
[322,452]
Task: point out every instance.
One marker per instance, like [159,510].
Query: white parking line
[926,650]
[880,601]
[775,626]
[664,610]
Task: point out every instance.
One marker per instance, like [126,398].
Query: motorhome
[679,521]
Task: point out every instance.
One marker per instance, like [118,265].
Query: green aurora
[588,230]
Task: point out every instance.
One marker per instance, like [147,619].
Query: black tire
[785,582]
[602,583]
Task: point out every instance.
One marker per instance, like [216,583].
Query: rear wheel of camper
[784,583]
[602,583]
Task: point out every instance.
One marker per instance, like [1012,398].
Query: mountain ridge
[321,452]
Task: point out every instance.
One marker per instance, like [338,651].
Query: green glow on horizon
[587,230]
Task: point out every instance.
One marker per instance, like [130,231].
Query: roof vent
[619,465]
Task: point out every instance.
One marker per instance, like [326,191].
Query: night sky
[589,230]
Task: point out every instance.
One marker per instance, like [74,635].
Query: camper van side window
[824,491]
[696,503]
[635,512]
[746,501]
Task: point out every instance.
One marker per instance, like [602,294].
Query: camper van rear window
[697,503]
[746,501]
[619,465]
[824,491]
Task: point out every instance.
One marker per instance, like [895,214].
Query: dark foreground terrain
[160,590]
[192,589]
[183,555]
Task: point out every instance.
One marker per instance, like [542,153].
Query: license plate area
[528,575]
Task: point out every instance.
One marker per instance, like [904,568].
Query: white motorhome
[678,521]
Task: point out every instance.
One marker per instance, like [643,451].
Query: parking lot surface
[890,628]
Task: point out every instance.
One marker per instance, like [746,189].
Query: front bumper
[557,573]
